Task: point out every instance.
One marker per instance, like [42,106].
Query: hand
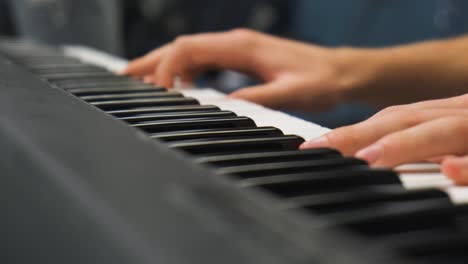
[296,76]
[409,133]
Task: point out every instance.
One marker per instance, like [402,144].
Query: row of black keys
[345,190]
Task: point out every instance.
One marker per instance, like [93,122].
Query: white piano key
[458,194]
[96,57]
[413,176]
[425,180]
[419,167]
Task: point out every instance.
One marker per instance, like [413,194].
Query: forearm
[408,73]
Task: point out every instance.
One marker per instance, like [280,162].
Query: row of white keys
[413,176]
[261,115]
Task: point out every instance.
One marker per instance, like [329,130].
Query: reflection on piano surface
[105,168]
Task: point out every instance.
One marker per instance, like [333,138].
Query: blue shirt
[379,22]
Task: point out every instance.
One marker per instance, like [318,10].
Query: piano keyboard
[413,176]
[256,148]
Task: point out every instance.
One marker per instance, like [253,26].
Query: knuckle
[404,118]
[389,110]
[243,32]
[393,109]
[245,37]
[182,43]
[409,118]
[182,49]
[182,39]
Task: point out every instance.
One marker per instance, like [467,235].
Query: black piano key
[290,167]
[216,147]
[270,157]
[48,65]
[394,217]
[50,57]
[117,86]
[128,83]
[58,58]
[360,198]
[218,133]
[164,109]
[174,116]
[78,76]
[66,70]
[58,62]
[184,124]
[323,179]
[134,95]
[33,61]
[131,84]
[95,80]
[133,103]
[440,245]
[103,91]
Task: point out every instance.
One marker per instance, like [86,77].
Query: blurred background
[133,27]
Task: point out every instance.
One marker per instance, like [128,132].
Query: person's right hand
[296,76]
[434,130]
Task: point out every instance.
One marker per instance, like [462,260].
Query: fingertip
[456,169]
[235,95]
[372,154]
[129,70]
[141,66]
[123,71]
[164,81]
[321,142]
[148,79]
[159,79]
[252,94]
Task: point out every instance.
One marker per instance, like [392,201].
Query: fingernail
[147,79]
[452,171]
[320,142]
[370,154]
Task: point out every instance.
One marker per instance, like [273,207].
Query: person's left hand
[409,133]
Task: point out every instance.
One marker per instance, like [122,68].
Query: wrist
[357,71]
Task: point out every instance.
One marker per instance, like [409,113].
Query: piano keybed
[422,224]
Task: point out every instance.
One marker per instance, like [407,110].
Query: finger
[233,50]
[453,102]
[148,79]
[145,65]
[163,77]
[273,94]
[439,159]
[447,103]
[456,168]
[350,139]
[445,136]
